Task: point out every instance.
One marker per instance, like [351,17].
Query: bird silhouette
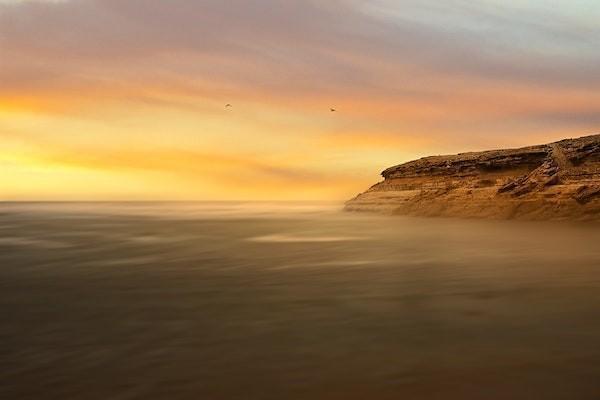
[332,110]
[228,105]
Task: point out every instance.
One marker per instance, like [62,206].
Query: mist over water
[292,301]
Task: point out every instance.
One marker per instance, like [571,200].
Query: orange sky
[125,99]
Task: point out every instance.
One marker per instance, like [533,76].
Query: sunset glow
[116,99]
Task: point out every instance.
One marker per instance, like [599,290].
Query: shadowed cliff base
[554,181]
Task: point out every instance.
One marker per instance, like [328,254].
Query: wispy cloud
[459,73]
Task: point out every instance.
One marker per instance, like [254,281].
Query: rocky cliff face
[554,181]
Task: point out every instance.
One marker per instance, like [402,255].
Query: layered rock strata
[554,181]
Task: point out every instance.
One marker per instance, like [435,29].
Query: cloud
[168,173]
[17,2]
[458,73]
[332,47]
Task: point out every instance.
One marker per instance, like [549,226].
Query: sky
[125,99]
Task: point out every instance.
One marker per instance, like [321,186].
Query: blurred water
[292,301]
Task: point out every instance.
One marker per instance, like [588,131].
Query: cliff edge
[560,180]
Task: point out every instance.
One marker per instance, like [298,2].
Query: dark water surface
[287,301]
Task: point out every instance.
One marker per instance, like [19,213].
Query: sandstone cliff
[554,181]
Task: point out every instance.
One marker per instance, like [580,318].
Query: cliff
[560,180]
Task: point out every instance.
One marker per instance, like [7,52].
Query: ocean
[292,301]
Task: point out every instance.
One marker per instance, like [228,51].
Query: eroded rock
[555,181]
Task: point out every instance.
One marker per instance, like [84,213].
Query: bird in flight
[332,110]
[228,105]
